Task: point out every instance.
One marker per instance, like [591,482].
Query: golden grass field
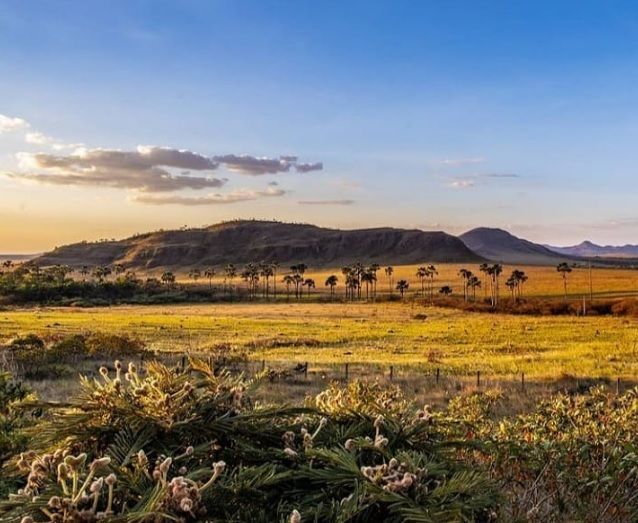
[543,281]
[379,334]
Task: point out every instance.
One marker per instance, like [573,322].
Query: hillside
[499,245]
[245,241]
[591,250]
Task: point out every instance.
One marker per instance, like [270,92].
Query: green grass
[385,334]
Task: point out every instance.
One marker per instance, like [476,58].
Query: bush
[189,445]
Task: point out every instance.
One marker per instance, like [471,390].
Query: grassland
[544,282]
[403,335]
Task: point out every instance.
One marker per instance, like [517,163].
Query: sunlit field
[543,281]
[408,335]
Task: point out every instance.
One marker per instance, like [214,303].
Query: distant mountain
[241,242]
[17,257]
[501,246]
[591,250]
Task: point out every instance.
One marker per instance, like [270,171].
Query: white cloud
[462,161]
[241,195]
[8,124]
[462,184]
[326,202]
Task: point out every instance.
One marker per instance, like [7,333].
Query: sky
[125,116]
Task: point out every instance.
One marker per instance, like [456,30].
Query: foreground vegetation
[189,444]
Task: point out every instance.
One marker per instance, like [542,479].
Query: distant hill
[241,242]
[499,245]
[591,250]
[17,257]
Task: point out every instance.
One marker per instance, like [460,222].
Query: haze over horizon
[126,117]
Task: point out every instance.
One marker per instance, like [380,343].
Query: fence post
[391,372]
[478,379]
[183,363]
[305,372]
[617,385]
[263,365]
[522,381]
[346,369]
[438,375]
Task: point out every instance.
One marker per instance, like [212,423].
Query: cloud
[498,175]
[462,184]
[38,138]
[241,195]
[308,167]
[256,166]
[8,124]
[326,202]
[462,161]
[146,169]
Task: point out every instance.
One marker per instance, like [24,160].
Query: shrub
[189,445]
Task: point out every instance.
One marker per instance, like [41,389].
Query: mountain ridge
[246,241]
[590,249]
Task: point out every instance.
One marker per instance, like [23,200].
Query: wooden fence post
[522,381]
[617,385]
[305,372]
[438,375]
[391,372]
[478,379]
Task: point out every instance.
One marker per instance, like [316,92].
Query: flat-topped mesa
[245,241]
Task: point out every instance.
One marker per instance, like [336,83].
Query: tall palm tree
[402,287]
[374,268]
[473,283]
[230,273]
[564,269]
[389,271]
[432,273]
[274,266]
[210,274]
[368,278]
[422,273]
[347,273]
[289,281]
[465,274]
[309,283]
[331,282]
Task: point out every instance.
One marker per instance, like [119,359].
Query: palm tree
[402,287]
[564,269]
[289,281]
[496,271]
[309,283]
[230,272]
[422,273]
[465,274]
[473,282]
[266,271]
[210,274]
[389,271]
[485,269]
[432,273]
[274,266]
[168,278]
[347,273]
[195,274]
[331,282]
[368,278]
[374,268]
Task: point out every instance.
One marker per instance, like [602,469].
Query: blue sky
[436,115]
